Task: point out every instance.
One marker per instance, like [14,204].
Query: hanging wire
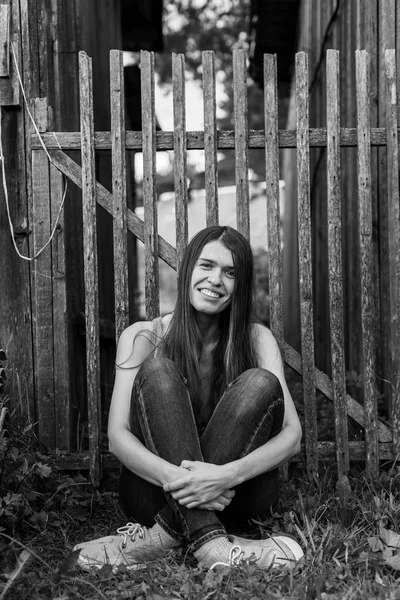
[4,179]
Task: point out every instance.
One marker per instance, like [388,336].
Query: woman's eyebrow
[213,262]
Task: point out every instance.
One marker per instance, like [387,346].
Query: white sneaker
[279,550]
[132,547]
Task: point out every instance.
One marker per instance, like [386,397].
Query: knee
[156,372]
[262,380]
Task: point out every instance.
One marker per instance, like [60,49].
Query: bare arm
[132,350]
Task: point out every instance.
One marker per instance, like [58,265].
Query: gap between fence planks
[90,266]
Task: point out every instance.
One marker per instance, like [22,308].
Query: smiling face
[213,279]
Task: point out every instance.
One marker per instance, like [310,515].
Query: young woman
[201,418]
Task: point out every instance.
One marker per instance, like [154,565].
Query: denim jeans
[248,414]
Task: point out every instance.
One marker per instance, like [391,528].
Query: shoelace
[234,558]
[130,530]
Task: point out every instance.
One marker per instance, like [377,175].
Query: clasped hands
[205,486]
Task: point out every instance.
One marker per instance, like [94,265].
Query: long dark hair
[234,352]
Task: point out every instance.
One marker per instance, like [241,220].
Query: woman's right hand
[219,503]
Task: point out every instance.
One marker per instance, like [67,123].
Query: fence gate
[47,189]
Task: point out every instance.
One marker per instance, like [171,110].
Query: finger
[228,494]
[187,464]
[176,485]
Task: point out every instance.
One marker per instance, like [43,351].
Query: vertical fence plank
[117,99]
[62,403]
[151,284]
[394,240]
[335,262]
[366,259]
[42,292]
[210,138]
[180,155]
[90,266]
[305,261]
[272,194]
[241,142]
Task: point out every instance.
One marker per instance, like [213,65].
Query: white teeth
[209,293]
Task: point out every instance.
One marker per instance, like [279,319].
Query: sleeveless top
[158,334]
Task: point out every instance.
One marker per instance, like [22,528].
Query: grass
[346,535]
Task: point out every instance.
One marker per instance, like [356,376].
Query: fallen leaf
[375,544]
[389,537]
[394,562]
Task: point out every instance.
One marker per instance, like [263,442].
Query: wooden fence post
[366,258]
[180,156]
[394,240]
[151,284]
[335,261]
[89,207]
[117,98]
[305,262]
[210,138]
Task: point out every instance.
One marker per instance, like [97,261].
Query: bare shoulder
[135,344]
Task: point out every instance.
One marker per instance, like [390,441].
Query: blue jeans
[248,414]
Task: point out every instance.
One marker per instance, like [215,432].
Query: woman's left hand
[204,483]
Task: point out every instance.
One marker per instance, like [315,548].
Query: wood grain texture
[393,197]
[61,340]
[241,142]
[180,155]
[42,301]
[210,138]
[305,261]
[90,266]
[151,284]
[195,139]
[272,194]
[366,259]
[335,262]
[117,100]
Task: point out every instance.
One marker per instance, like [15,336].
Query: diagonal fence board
[73,171]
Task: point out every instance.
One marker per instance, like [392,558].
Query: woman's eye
[230,274]
[205,265]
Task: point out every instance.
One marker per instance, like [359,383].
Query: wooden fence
[381,439]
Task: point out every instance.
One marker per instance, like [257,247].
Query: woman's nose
[215,277]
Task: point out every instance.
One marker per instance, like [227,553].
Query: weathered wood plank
[195,139]
[62,393]
[305,261]
[335,271]
[393,240]
[42,301]
[4,40]
[210,138]
[366,259]
[325,385]
[241,142]
[180,156]
[117,100]
[74,172]
[90,266]
[272,194]
[149,186]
